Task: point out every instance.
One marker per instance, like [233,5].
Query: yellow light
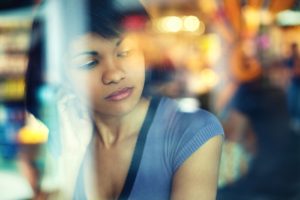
[210,45]
[30,135]
[195,84]
[170,24]
[35,132]
[252,17]
[203,81]
[191,23]
[209,77]
[266,17]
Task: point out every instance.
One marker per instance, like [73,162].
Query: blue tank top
[167,138]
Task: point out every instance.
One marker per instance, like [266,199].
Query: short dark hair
[103,18]
[34,76]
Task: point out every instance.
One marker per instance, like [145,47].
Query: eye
[88,64]
[122,54]
[86,60]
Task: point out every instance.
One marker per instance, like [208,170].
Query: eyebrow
[95,53]
[90,53]
[119,41]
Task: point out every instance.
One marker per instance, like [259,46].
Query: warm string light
[174,24]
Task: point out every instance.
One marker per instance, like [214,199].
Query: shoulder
[185,132]
[195,120]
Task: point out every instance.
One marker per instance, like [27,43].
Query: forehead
[97,42]
[93,40]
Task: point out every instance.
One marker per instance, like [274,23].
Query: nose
[112,73]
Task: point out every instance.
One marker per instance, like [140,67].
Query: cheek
[135,67]
[80,84]
[87,91]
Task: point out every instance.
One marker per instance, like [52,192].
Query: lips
[120,94]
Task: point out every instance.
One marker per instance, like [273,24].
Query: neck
[115,129]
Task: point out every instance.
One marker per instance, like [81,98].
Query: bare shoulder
[197,176]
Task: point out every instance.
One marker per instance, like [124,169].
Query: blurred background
[239,59]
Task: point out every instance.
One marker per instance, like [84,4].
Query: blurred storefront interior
[211,50]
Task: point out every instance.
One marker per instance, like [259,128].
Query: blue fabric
[172,138]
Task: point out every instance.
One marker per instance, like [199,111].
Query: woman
[121,143]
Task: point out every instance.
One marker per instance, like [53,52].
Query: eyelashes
[88,65]
[89,62]
[123,54]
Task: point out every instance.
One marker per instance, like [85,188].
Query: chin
[116,109]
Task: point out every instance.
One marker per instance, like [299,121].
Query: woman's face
[107,74]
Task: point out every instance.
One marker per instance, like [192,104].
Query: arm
[197,177]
